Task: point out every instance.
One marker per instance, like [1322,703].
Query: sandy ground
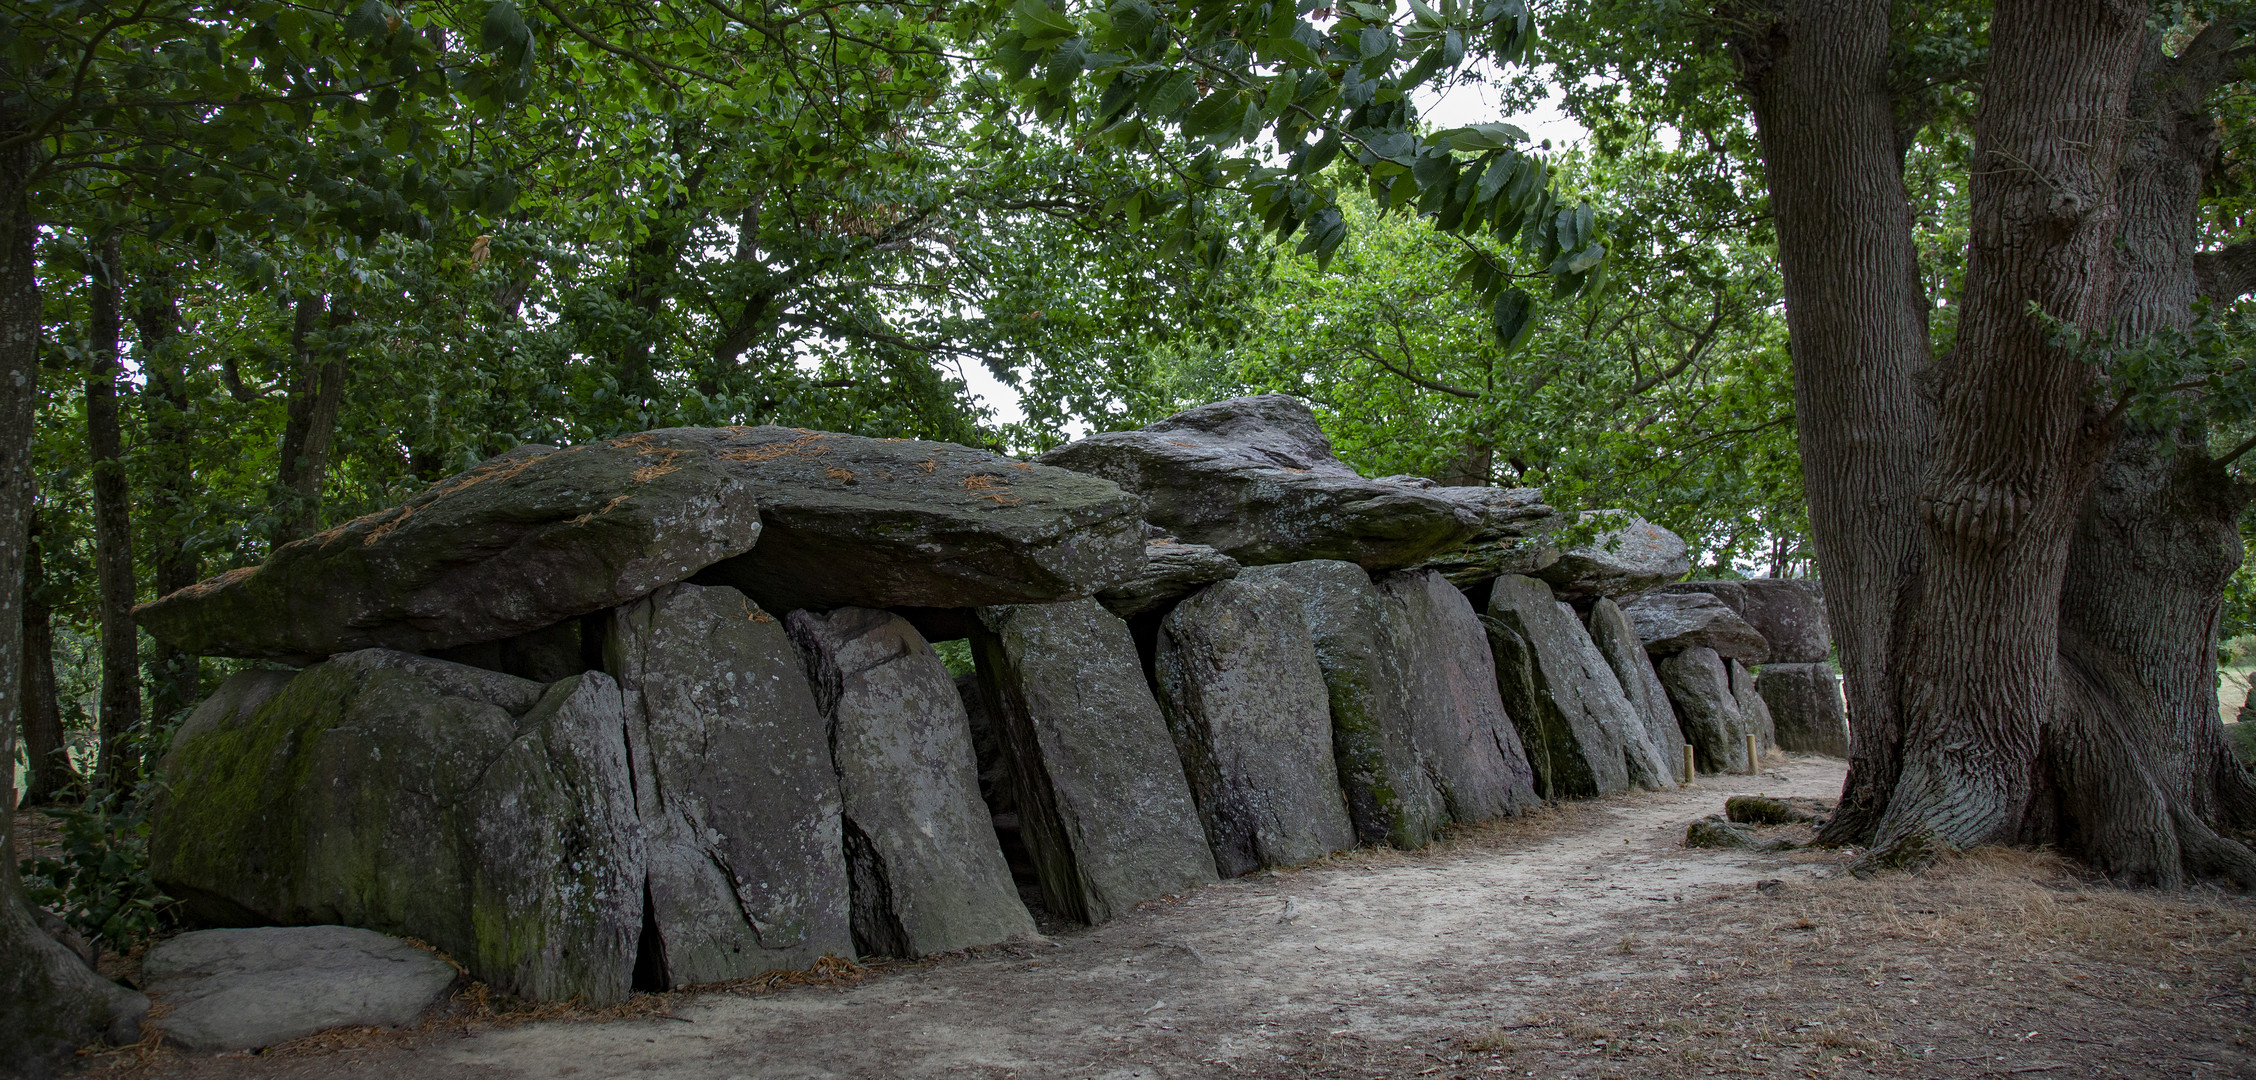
[1585,941]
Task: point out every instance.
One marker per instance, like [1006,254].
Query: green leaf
[1514,318]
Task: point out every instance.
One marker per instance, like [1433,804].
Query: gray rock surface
[1789,613]
[1751,706]
[544,655]
[1669,622]
[1629,554]
[927,873]
[735,788]
[516,544]
[1714,832]
[1583,737]
[1806,708]
[1515,535]
[1699,688]
[473,810]
[1617,641]
[1172,570]
[880,523]
[1103,806]
[1245,699]
[1437,652]
[246,989]
[1389,796]
[1255,478]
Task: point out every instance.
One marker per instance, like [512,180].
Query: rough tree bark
[171,435]
[317,390]
[113,529]
[49,776]
[1816,77]
[50,1002]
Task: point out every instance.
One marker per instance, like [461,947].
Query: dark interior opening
[650,975]
[998,792]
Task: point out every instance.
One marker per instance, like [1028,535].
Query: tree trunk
[50,776]
[2017,443]
[1817,81]
[113,531]
[2146,782]
[317,389]
[50,1003]
[171,435]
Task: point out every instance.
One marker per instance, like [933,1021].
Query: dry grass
[1993,963]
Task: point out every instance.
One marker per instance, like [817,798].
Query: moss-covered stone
[417,798]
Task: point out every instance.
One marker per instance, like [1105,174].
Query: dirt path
[1506,950]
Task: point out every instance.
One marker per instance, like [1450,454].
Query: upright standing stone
[927,873]
[1699,687]
[1617,641]
[1102,802]
[1389,797]
[1437,652]
[1242,692]
[1751,706]
[1582,735]
[1805,703]
[412,796]
[735,788]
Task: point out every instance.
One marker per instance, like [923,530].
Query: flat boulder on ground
[1583,736]
[1102,803]
[1628,555]
[928,875]
[1245,699]
[1390,798]
[479,812]
[1671,622]
[1437,652]
[735,790]
[248,989]
[1806,708]
[540,535]
[518,543]
[1616,640]
[1699,687]
[1789,613]
[1255,478]
[1173,569]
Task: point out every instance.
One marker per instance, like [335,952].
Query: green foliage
[98,881]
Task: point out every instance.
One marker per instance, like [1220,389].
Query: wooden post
[1754,757]
[1688,773]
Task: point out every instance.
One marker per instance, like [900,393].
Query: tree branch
[2227,273]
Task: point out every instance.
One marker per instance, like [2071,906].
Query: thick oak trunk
[113,530]
[50,1003]
[1855,315]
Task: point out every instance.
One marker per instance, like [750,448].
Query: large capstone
[1102,803]
[1173,569]
[1789,613]
[1669,622]
[1627,555]
[539,535]
[927,873]
[516,544]
[734,788]
[1390,798]
[473,810]
[252,988]
[1617,641]
[1517,534]
[848,520]
[1583,737]
[1699,688]
[1806,708]
[1242,692]
[1255,478]
[1437,652]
